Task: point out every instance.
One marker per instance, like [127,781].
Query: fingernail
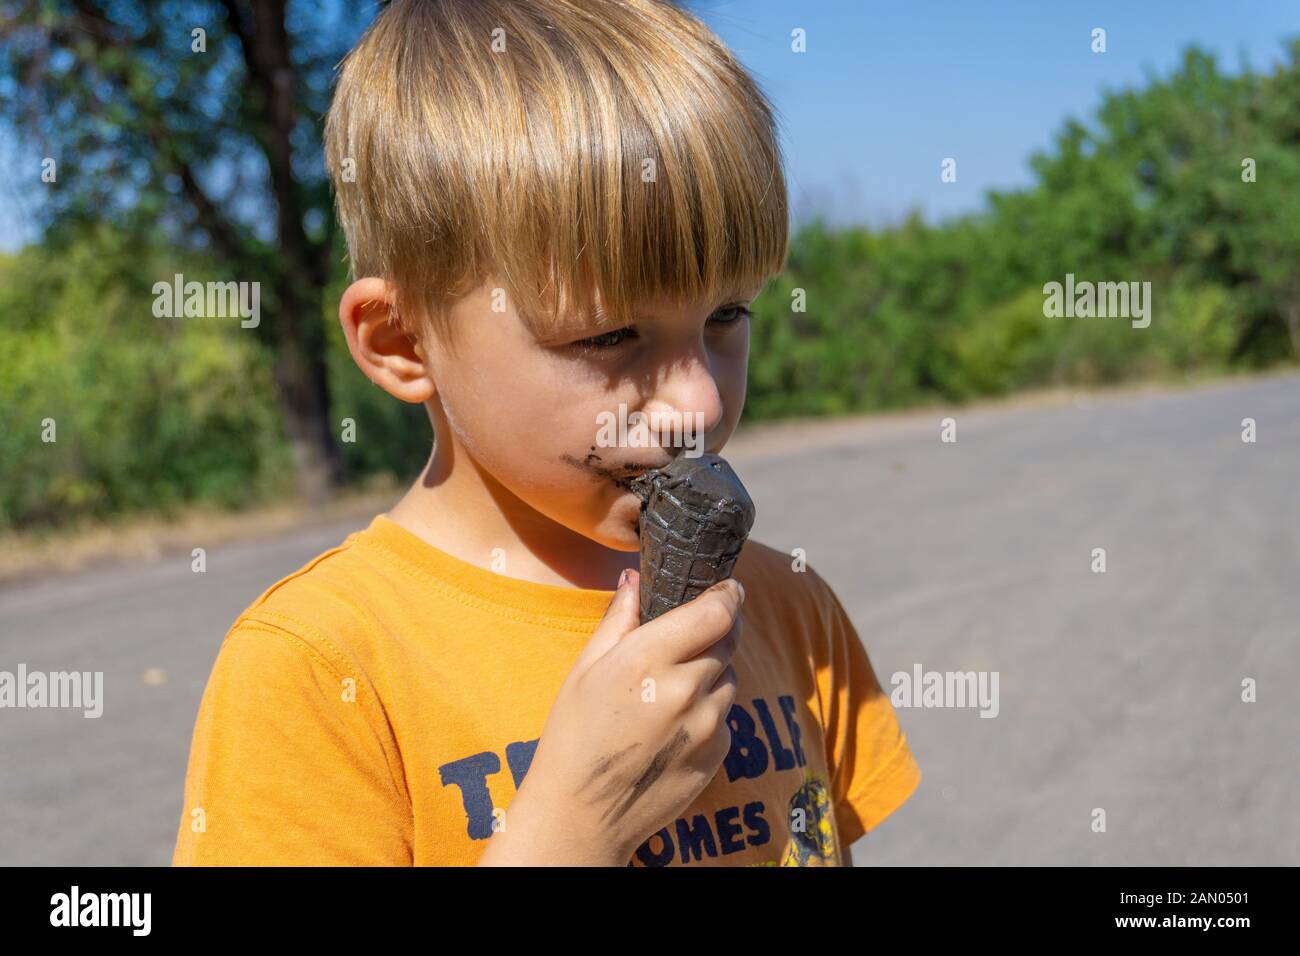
[622,578]
[742,592]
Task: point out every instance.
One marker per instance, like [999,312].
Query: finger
[622,616]
[686,631]
[708,666]
[725,685]
[719,698]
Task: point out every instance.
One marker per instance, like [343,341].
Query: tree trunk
[1292,313]
[303,388]
[300,362]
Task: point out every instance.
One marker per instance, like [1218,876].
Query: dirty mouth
[620,475]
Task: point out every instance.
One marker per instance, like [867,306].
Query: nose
[686,404]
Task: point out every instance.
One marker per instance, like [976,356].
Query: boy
[554,209]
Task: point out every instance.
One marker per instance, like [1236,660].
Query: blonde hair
[590,153]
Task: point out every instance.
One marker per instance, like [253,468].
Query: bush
[146,413]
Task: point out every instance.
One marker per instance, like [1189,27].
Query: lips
[633,469]
[620,474]
[624,475]
[627,469]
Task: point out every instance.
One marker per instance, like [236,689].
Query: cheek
[519,423]
[731,368]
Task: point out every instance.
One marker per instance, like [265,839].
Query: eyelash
[598,343]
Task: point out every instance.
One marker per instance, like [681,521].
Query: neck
[459,508]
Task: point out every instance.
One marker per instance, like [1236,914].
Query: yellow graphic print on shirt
[812,833]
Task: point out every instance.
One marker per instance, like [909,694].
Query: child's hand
[638,729]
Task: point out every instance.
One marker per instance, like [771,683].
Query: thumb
[621,618]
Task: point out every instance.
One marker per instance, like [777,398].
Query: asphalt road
[1120,690]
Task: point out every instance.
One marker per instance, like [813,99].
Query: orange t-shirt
[376,706]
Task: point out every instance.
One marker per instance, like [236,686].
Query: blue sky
[889,88]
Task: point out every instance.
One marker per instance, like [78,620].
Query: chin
[617,534]
[628,541]
[622,528]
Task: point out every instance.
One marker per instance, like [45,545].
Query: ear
[388,356]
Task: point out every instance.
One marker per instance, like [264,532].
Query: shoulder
[315,612]
[302,646]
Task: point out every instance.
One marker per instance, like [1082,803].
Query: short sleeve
[289,765]
[872,768]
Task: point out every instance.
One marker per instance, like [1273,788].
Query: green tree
[198,123]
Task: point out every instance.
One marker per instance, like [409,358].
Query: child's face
[542,415]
